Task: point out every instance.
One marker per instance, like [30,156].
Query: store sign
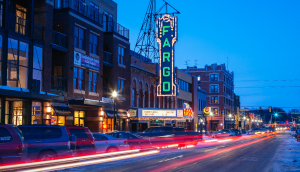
[86,61]
[159,113]
[166,36]
[179,113]
[132,113]
[107,100]
[188,113]
[207,111]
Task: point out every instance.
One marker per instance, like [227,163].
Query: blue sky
[260,38]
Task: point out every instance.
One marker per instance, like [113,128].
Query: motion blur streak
[64,160]
[206,141]
[78,164]
[188,161]
[227,140]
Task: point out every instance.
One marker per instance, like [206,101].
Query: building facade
[64,58]
[202,103]
[218,82]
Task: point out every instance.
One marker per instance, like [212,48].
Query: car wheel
[112,149]
[47,155]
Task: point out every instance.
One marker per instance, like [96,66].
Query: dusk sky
[260,38]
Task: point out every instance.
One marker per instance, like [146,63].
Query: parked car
[223,133]
[134,141]
[107,143]
[256,131]
[237,132]
[46,142]
[13,147]
[85,143]
[161,136]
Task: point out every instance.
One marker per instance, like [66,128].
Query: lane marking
[172,158]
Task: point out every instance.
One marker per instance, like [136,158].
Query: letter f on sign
[165,30]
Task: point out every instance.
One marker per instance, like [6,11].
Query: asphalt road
[244,155]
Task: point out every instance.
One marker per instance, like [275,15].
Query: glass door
[17,115]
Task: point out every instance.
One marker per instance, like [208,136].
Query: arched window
[146,97]
[140,94]
[133,94]
[151,96]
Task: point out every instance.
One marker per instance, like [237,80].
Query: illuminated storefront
[143,118]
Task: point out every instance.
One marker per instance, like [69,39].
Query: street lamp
[276,114]
[211,114]
[114,95]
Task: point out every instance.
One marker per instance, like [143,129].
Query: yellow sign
[207,110]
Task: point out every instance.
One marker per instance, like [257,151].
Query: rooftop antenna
[186,63]
[196,64]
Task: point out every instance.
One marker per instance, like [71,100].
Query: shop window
[17,115]
[121,55]
[78,78]
[79,118]
[93,44]
[17,64]
[121,87]
[215,111]
[36,113]
[92,81]
[38,64]
[79,38]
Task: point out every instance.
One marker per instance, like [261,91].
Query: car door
[34,139]
[101,143]
[7,149]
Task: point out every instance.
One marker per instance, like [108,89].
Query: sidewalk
[287,156]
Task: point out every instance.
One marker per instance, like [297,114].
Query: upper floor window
[214,99]
[198,77]
[213,77]
[94,6]
[93,44]
[38,64]
[214,88]
[79,37]
[199,88]
[215,111]
[121,55]
[17,63]
[184,85]
[121,86]
[78,78]
[92,81]
[21,19]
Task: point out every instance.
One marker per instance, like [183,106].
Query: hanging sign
[166,36]
[86,61]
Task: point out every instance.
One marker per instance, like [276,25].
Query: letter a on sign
[166,36]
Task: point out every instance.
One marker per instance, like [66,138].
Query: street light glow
[114,94]
[211,114]
[229,115]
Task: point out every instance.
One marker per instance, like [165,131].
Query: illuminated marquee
[188,113]
[166,36]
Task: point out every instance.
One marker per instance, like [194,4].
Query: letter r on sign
[166,55]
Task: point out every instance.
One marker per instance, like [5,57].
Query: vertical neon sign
[166,36]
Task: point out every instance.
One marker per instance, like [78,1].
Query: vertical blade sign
[166,36]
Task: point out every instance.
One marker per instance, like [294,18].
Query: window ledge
[79,50]
[121,65]
[94,55]
[77,91]
[93,94]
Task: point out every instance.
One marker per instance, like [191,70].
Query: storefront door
[17,115]
[79,118]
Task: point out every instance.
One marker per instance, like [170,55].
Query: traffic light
[270,109]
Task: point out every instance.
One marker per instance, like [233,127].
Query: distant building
[202,103]
[217,81]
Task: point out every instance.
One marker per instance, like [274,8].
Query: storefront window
[17,118]
[61,120]
[36,113]
[79,118]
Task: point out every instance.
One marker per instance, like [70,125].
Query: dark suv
[12,144]
[85,143]
[46,142]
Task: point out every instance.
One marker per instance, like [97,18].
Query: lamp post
[275,118]
[114,94]
[244,118]
[211,114]
[229,119]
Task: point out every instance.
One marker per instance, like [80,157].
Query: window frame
[78,79]
[93,45]
[93,83]
[215,78]
[121,58]
[77,43]
[214,99]
[121,91]
[215,90]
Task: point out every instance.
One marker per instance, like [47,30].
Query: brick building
[77,54]
[218,82]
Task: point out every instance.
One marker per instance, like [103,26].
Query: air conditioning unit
[35,86]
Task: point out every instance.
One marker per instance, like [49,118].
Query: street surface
[259,154]
[263,152]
